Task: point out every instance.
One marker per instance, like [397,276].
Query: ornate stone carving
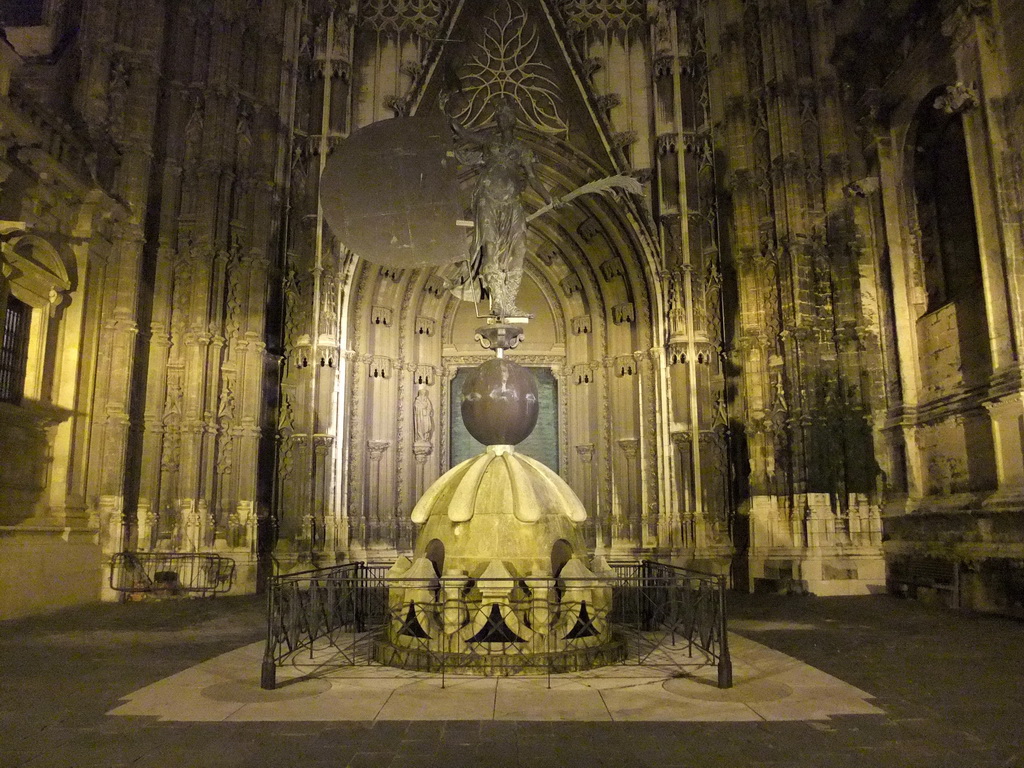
[117,95]
[624,139]
[584,373]
[612,268]
[434,285]
[376,449]
[589,229]
[424,374]
[329,301]
[625,365]
[571,285]
[623,313]
[380,367]
[622,17]
[504,63]
[957,24]
[396,17]
[608,101]
[957,98]
[585,452]
[629,446]
[391,273]
[581,324]
[676,352]
[397,104]
[194,132]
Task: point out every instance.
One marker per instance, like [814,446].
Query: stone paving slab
[768,685]
[950,686]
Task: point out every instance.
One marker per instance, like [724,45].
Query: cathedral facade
[795,357]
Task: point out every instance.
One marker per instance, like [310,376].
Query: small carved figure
[499,237]
[423,417]
[957,98]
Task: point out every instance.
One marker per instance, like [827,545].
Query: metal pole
[314,606]
[549,641]
[724,659]
[268,674]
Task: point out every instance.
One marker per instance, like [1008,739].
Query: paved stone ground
[952,687]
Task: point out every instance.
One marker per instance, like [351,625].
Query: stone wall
[951,435]
[750,374]
[58,226]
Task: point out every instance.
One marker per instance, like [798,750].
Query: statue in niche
[423,417]
[499,235]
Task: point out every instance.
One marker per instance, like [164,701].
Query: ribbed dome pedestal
[499,582]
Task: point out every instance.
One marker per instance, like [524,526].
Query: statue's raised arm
[476,138]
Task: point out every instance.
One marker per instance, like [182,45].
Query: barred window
[22,13]
[14,350]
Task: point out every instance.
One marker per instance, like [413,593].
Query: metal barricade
[172,574]
[654,607]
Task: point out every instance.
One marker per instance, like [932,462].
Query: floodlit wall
[759,370]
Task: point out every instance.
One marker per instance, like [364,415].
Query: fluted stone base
[500,664]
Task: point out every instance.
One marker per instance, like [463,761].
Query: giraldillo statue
[499,236]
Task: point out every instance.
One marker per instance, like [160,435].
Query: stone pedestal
[499,582]
[817,550]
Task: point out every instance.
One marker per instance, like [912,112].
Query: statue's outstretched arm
[478,138]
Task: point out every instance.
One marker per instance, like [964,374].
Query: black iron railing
[678,602]
[346,608]
[172,574]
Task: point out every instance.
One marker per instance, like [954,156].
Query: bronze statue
[499,235]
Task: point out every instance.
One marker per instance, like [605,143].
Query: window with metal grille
[22,13]
[14,350]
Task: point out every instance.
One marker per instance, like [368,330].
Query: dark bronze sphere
[499,403]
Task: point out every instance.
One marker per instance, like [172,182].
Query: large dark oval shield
[390,194]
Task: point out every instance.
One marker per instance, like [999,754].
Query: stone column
[585,456]
[686,534]
[421,450]
[377,530]
[1007,416]
[630,516]
[139,36]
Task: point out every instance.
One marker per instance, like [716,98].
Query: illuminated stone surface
[807,327]
[480,589]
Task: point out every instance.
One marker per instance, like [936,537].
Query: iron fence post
[362,589]
[724,659]
[268,673]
